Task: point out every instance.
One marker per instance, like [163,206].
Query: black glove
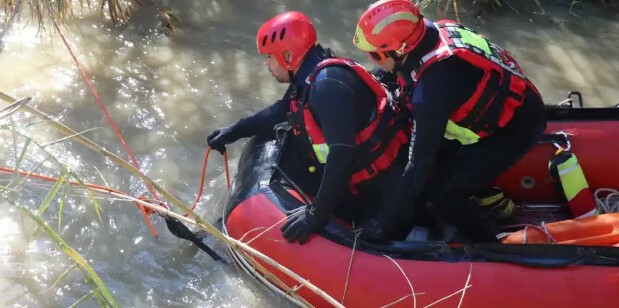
[387,78]
[374,231]
[218,139]
[302,222]
[384,225]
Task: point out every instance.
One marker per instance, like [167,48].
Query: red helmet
[390,25]
[287,31]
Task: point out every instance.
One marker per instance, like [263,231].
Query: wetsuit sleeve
[332,104]
[262,122]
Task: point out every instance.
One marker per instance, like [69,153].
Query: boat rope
[608,203]
[204,164]
[542,228]
[113,124]
[195,203]
[227,172]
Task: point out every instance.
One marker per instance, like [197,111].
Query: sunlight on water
[9,235]
[166,94]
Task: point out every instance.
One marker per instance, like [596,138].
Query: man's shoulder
[450,69]
[334,71]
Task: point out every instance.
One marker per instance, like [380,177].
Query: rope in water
[51,178]
[113,124]
[208,151]
[148,212]
[126,147]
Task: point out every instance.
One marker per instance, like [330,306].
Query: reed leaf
[65,273]
[52,193]
[9,110]
[61,205]
[7,189]
[41,11]
[77,179]
[68,137]
[84,298]
[91,276]
[24,178]
[90,194]
[192,218]
[22,155]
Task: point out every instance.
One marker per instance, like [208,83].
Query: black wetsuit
[442,171]
[342,105]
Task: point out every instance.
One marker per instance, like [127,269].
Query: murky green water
[166,93]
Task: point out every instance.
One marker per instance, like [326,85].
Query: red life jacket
[500,91]
[377,144]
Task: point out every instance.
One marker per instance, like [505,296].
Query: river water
[166,93]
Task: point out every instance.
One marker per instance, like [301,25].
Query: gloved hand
[302,222]
[374,231]
[218,139]
[384,225]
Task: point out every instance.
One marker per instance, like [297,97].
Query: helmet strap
[398,58]
[400,51]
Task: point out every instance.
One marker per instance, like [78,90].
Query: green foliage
[23,153]
[99,289]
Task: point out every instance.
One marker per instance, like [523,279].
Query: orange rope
[147,211]
[208,151]
[122,141]
[50,178]
[227,173]
[73,183]
[195,203]
[126,147]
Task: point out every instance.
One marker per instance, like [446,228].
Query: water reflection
[165,94]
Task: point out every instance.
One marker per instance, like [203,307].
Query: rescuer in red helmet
[344,119]
[474,115]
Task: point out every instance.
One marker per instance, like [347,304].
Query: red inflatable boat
[426,274]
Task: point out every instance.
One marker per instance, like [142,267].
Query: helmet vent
[273,36]
[264,41]
[282,34]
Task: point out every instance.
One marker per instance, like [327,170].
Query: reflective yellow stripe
[392,18]
[464,135]
[361,42]
[572,177]
[474,39]
[491,199]
[322,151]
